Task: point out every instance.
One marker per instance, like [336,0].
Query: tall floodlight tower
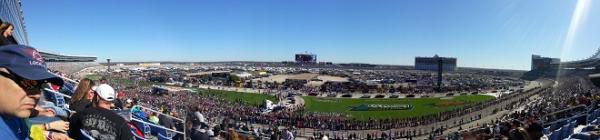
[439,77]
[108,64]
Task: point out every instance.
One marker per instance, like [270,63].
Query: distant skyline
[500,34]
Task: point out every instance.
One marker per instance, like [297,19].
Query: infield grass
[421,106]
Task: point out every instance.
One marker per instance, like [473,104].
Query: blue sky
[488,34]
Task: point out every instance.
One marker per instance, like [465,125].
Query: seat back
[85,136]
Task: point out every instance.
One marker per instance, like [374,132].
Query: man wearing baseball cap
[22,73]
[98,121]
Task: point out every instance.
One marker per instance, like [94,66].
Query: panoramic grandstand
[283,100]
[591,62]
[49,57]
[545,63]
[67,63]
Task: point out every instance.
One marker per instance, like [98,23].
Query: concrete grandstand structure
[50,57]
[543,63]
[546,63]
[68,64]
[590,62]
[431,63]
[551,67]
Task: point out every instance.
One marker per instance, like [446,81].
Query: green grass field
[94,76]
[421,106]
[232,96]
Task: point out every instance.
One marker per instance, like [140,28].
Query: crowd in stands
[218,115]
[553,114]
[70,67]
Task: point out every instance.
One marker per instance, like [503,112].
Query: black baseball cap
[26,62]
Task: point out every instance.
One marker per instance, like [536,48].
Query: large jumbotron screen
[306,58]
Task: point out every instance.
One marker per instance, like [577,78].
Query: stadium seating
[140,121]
[58,99]
[164,135]
[70,67]
[85,135]
[567,131]
[137,134]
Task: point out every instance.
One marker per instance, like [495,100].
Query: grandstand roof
[50,57]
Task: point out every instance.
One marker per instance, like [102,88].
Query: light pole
[108,79]
[108,64]
[439,73]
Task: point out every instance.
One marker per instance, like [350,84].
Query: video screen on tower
[306,58]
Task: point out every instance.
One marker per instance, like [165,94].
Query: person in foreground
[22,73]
[99,122]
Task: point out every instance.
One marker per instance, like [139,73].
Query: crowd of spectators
[570,100]
[70,67]
[218,115]
[88,114]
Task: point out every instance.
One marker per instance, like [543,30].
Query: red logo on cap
[35,55]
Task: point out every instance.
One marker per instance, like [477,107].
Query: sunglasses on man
[26,84]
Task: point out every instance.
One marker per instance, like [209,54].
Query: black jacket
[100,124]
[7,40]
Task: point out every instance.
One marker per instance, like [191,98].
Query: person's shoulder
[4,127]
[113,116]
[90,110]
[9,124]
[4,132]
[107,112]
[98,111]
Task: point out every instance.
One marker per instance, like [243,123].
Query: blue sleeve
[5,131]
